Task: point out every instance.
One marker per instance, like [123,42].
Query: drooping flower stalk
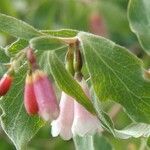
[5,84]
[30,102]
[62,126]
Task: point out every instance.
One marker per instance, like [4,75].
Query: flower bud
[77,59]
[62,126]
[30,103]
[5,84]
[84,122]
[45,96]
[69,59]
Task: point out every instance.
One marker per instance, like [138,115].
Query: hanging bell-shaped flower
[62,126]
[45,96]
[5,83]
[30,102]
[84,122]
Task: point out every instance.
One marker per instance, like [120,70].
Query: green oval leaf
[117,75]
[17,28]
[139,19]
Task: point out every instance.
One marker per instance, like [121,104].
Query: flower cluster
[74,119]
[39,95]
[69,118]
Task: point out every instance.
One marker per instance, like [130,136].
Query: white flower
[84,122]
[62,126]
[74,119]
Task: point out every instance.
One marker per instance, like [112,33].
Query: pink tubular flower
[45,96]
[5,84]
[84,122]
[62,126]
[29,96]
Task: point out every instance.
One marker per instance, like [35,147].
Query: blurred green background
[107,18]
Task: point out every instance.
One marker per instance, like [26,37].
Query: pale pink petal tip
[48,115]
[62,126]
[84,127]
[55,130]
